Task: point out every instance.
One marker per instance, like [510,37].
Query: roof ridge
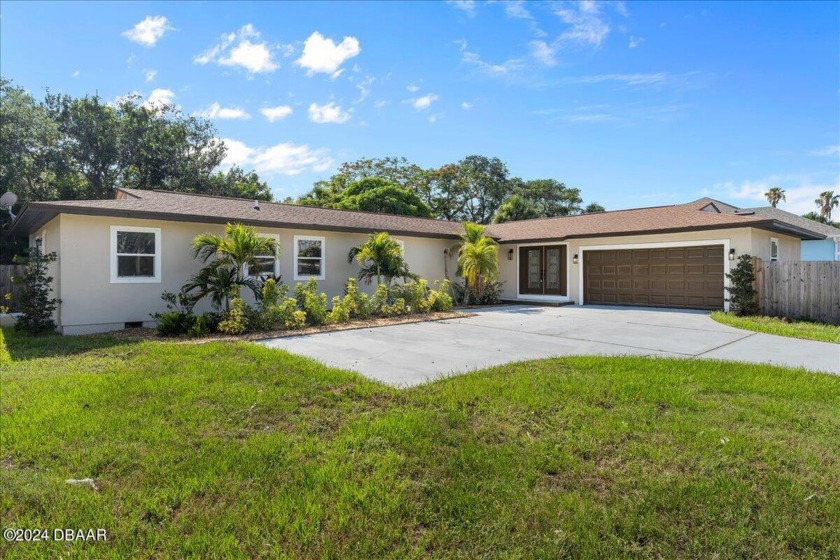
[346,210]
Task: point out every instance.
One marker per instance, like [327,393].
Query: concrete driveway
[410,354]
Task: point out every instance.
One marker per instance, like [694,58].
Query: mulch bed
[151,334]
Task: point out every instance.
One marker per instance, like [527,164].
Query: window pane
[136,266]
[534,268]
[136,242]
[265,267]
[307,248]
[309,267]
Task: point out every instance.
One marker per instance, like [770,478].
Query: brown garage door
[670,277]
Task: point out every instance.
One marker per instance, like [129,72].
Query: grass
[773,325]
[232,450]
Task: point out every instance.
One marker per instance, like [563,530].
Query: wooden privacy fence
[6,286]
[799,290]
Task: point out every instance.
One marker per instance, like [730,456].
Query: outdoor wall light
[510,254]
[731,254]
[575,259]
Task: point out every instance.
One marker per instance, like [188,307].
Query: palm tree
[775,195]
[240,248]
[219,283]
[381,257]
[826,202]
[478,260]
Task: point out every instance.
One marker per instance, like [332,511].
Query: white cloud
[585,22]
[434,118]
[831,151]
[76,74]
[149,31]
[380,104]
[467,6]
[466,105]
[516,9]
[282,159]
[413,88]
[150,74]
[635,41]
[321,54]
[509,66]
[329,113]
[159,97]
[629,79]
[242,49]
[800,192]
[277,113]
[424,102]
[364,87]
[216,111]
[543,52]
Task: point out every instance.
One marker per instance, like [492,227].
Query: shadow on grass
[24,347]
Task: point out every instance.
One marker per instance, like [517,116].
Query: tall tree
[826,203]
[775,195]
[593,207]
[550,197]
[516,207]
[470,190]
[374,194]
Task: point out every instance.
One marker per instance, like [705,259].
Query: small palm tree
[478,260]
[775,195]
[238,248]
[381,257]
[219,283]
[827,202]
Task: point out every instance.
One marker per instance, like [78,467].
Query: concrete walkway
[410,354]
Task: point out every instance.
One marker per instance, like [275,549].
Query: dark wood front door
[542,270]
[669,277]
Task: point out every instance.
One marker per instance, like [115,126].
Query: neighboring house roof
[135,203]
[658,219]
[799,221]
[703,214]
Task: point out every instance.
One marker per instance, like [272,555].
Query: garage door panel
[669,277]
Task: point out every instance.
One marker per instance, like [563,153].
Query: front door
[542,270]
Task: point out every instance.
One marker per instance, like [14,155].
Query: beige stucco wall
[744,240]
[92,303]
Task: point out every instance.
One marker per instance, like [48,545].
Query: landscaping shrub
[34,299]
[742,294]
[315,305]
[235,320]
[174,323]
[414,294]
[397,308]
[380,299]
[360,305]
[442,300]
[340,312]
[491,294]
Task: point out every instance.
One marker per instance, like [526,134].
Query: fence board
[799,290]
[6,286]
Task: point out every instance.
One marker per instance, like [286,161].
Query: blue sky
[635,103]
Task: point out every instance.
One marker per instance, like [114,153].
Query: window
[309,257]
[135,254]
[774,249]
[268,265]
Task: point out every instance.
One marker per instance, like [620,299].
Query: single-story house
[116,257]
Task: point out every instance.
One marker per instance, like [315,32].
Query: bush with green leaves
[358,302]
[414,294]
[380,299]
[33,299]
[235,320]
[742,293]
[174,323]
[309,301]
[340,312]
[442,298]
[397,308]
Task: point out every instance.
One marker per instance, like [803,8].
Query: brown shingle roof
[200,208]
[165,205]
[679,217]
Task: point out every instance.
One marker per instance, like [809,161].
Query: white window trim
[659,245]
[157,260]
[276,238]
[323,241]
[546,297]
[776,241]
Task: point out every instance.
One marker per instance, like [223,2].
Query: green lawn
[231,450]
[773,325]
